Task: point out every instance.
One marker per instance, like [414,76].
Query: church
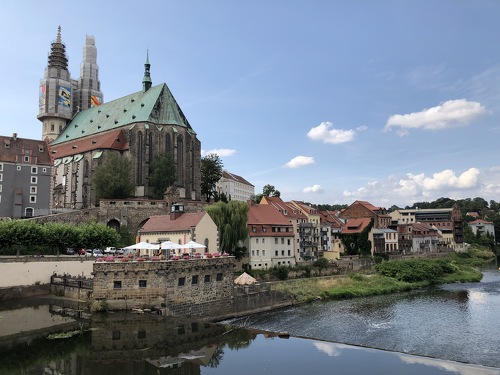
[81,130]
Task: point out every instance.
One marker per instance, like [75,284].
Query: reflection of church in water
[82,130]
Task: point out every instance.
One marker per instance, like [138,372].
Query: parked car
[110,250]
[70,251]
[97,253]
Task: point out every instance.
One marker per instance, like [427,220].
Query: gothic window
[86,168]
[191,156]
[168,144]
[180,160]
[150,147]
[139,158]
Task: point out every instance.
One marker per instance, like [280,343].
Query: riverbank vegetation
[391,277]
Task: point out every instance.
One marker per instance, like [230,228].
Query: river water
[450,329]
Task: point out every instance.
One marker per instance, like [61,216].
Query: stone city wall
[191,287]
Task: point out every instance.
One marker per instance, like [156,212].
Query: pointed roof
[356,225]
[157,106]
[57,57]
[12,148]
[146,80]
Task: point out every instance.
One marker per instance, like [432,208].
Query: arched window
[150,141]
[139,158]
[168,145]
[29,212]
[180,160]
[206,245]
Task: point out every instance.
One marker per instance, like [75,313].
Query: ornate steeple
[57,57]
[146,81]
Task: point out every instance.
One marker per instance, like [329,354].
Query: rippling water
[458,322]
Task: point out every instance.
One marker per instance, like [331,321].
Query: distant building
[448,221]
[363,209]
[25,177]
[235,187]
[483,227]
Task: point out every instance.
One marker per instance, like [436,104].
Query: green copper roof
[157,105]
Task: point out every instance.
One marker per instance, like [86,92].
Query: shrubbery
[415,270]
[25,237]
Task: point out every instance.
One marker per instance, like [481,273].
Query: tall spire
[57,57]
[146,81]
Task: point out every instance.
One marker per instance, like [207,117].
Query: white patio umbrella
[193,245]
[169,245]
[140,246]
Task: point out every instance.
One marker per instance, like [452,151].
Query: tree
[161,174]
[231,220]
[270,191]
[211,173]
[112,179]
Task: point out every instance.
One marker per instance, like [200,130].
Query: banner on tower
[41,98]
[64,96]
[94,101]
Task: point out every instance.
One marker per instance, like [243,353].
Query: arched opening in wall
[29,212]
[115,224]
[139,159]
[180,161]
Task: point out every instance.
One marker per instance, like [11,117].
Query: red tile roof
[356,225]
[163,223]
[113,140]
[12,148]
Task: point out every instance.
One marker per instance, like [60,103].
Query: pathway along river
[458,322]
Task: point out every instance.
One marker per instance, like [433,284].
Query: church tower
[55,97]
[88,92]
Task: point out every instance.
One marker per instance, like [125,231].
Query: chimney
[176,211]
[14,136]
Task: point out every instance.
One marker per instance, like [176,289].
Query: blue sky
[393,102]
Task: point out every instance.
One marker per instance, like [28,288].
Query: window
[33,189]
[26,159]
[44,170]
[256,240]
[264,229]
[0,188]
[34,179]
[143,283]
[257,251]
[1,167]
[263,253]
[34,170]
[263,240]
[276,241]
[276,253]
[289,253]
[288,241]
[194,280]
[254,229]
[207,278]
[18,168]
[253,252]
[282,241]
[282,253]
[218,277]
[117,284]
[182,281]
[32,198]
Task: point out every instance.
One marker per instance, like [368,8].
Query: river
[449,329]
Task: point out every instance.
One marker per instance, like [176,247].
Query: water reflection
[125,343]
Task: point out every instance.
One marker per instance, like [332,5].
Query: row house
[270,238]
[425,238]
[363,209]
[302,228]
[448,221]
[331,228]
[384,241]
[310,231]
[355,226]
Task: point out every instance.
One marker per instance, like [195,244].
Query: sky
[388,101]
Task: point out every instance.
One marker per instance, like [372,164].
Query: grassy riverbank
[389,277]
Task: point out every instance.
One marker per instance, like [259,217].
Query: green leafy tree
[112,179]
[97,235]
[161,174]
[231,220]
[59,236]
[270,191]
[211,173]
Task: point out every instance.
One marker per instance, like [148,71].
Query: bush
[280,272]
[415,270]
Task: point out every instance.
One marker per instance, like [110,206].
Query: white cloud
[323,133]
[219,151]
[313,189]
[452,113]
[417,187]
[299,161]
